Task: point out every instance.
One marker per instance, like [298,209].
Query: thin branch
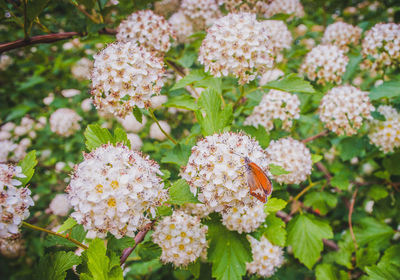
[242,94]
[352,202]
[138,238]
[159,126]
[46,39]
[286,218]
[304,191]
[324,170]
[76,242]
[312,138]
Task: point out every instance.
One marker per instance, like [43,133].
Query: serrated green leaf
[55,266]
[35,7]
[97,259]
[351,147]
[326,272]
[305,234]
[377,192]
[210,82]
[148,251]
[274,205]
[378,116]
[28,167]
[164,210]
[97,136]
[388,89]
[388,267]
[352,66]
[194,268]
[183,101]
[138,114]
[118,245]
[373,233]
[121,137]
[228,252]
[68,224]
[316,158]
[277,170]
[290,83]
[275,230]
[321,201]
[193,76]
[390,163]
[366,256]
[259,133]
[178,155]
[179,193]
[341,181]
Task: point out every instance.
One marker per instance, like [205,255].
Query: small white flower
[82,68]
[202,13]
[70,92]
[369,206]
[12,247]
[156,133]
[87,105]
[181,26]
[60,205]
[342,35]
[136,142]
[181,237]
[196,209]
[244,218]
[279,34]
[130,123]
[65,122]
[285,7]
[271,75]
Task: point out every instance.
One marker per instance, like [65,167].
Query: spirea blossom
[325,64]
[130,123]
[156,133]
[270,75]
[202,13]
[146,29]
[244,218]
[12,247]
[60,205]
[196,209]
[181,26]
[82,68]
[279,34]
[344,108]
[166,7]
[136,142]
[181,237]
[237,44]
[285,7]
[216,169]
[5,61]
[64,122]
[253,6]
[381,46]
[342,35]
[293,156]
[386,134]
[125,75]
[274,105]
[267,258]
[14,202]
[115,190]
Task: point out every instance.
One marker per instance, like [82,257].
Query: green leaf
[210,82]
[391,164]
[388,89]
[377,192]
[316,158]
[193,76]
[97,136]
[187,59]
[179,193]
[277,170]
[352,147]
[341,181]
[28,164]
[138,114]
[259,133]
[326,272]
[121,137]
[291,83]
[275,230]
[55,266]
[228,252]
[18,111]
[118,245]
[378,116]
[194,268]
[352,66]
[215,119]
[305,234]
[164,210]
[388,267]
[68,224]
[322,201]
[89,4]
[366,256]
[183,101]
[179,155]
[148,251]
[274,205]
[373,233]
[35,7]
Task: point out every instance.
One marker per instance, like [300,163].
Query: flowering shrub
[199,139]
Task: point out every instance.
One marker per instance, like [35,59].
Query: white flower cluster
[279,34]
[65,122]
[130,123]
[293,156]
[202,13]
[115,190]
[342,35]
[181,237]
[196,209]
[70,92]
[285,7]
[251,6]
[386,134]
[237,44]
[274,105]
[271,75]
[12,247]
[136,142]
[244,218]
[325,63]
[217,168]
[14,202]
[181,26]
[344,108]
[125,75]
[166,7]
[267,258]
[82,68]
[60,205]
[382,44]
[146,29]
[5,61]
[156,133]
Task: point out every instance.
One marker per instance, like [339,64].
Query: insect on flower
[259,183]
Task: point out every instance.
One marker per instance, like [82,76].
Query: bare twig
[312,138]
[352,202]
[286,218]
[138,238]
[46,39]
